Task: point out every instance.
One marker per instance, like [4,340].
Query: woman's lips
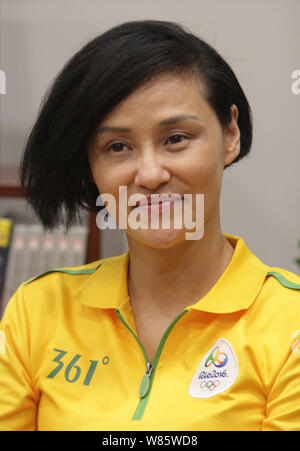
[158,206]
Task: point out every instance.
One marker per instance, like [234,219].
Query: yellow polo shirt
[70,358]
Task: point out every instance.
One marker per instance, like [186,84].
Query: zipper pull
[145,384]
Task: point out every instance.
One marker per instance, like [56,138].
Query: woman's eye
[175,139]
[117,147]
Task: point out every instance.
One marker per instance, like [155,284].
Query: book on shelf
[33,251]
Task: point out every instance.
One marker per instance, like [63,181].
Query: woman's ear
[232,138]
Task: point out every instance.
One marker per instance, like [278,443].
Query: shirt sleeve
[283,404]
[18,400]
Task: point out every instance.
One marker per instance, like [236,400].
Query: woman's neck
[167,280]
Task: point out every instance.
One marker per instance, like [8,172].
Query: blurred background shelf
[10,187]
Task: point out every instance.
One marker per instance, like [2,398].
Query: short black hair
[54,170]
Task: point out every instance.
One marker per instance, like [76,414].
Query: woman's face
[164,138]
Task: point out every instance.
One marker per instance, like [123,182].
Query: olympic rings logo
[217,358]
[210,385]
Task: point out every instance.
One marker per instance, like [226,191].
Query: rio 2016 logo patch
[216,372]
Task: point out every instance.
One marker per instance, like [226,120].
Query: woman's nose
[151,171]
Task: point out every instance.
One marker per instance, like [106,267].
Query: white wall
[260,40]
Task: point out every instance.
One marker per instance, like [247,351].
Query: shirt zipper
[146,383]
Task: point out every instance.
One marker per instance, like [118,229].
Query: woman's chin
[156,238]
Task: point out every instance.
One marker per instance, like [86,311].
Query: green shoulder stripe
[285,282]
[67,271]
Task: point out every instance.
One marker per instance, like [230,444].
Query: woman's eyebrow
[113,129]
[182,117]
[171,120]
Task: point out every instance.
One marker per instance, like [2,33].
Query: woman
[175,334]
